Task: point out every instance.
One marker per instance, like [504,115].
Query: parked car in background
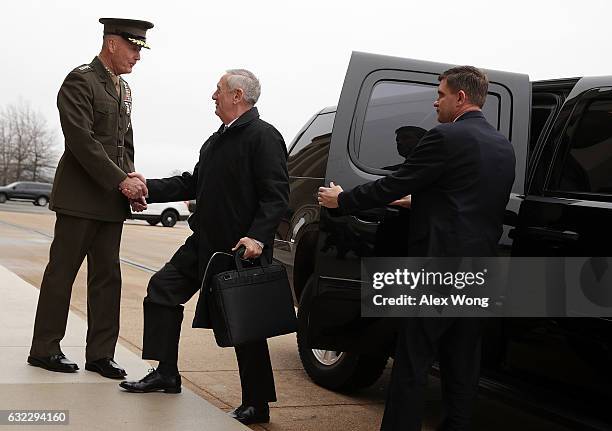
[167,213]
[38,193]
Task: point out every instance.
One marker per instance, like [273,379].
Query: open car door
[381,98]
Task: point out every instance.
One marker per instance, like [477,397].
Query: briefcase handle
[238,258]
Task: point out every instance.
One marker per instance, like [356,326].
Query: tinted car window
[398,115]
[544,106]
[308,157]
[584,160]
[322,124]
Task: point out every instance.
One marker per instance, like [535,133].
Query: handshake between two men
[134,187]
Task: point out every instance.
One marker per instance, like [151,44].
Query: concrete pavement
[93,402]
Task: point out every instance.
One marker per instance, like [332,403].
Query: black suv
[561,205]
[38,193]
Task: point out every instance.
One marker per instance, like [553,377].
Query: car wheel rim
[327,357]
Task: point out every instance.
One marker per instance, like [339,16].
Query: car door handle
[547,233]
[376,216]
[392,210]
[366,222]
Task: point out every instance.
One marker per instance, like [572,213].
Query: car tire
[337,371]
[169,218]
[2,198]
[41,201]
[153,222]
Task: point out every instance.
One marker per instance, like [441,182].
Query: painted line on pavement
[128,262]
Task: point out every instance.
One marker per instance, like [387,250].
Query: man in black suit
[459,176]
[242,189]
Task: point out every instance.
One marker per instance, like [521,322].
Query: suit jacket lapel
[121,92]
[110,87]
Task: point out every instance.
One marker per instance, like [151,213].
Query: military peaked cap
[132,30]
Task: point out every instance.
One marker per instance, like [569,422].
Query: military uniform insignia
[127,97]
[85,67]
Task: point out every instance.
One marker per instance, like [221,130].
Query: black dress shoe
[153,382]
[106,367]
[58,363]
[248,415]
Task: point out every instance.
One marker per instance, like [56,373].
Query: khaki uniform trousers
[75,238]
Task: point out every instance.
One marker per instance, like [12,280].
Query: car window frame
[404,77]
[533,152]
[580,104]
[306,128]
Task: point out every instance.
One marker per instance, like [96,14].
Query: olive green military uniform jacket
[99,147]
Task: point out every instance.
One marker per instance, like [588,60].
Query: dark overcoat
[99,149]
[241,187]
[460,176]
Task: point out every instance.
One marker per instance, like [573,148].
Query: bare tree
[43,158]
[6,146]
[27,146]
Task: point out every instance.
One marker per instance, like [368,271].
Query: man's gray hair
[247,81]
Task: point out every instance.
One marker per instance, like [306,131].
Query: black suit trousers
[168,290]
[457,344]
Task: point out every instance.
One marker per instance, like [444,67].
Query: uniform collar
[110,72]
[104,76]
[113,76]
[99,67]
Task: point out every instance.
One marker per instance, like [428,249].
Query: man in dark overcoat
[459,177]
[241,188]
[95,106]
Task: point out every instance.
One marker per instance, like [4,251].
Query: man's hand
[138,205]
[138,175]
[328,196]
[133,188]
[253,249]
[405,202]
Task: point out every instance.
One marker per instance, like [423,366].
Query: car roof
[328,110]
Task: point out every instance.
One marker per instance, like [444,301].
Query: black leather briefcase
[249,303]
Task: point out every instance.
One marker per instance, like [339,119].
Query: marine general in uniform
[95,106]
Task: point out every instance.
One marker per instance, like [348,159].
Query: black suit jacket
[241,185]
[460,176]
